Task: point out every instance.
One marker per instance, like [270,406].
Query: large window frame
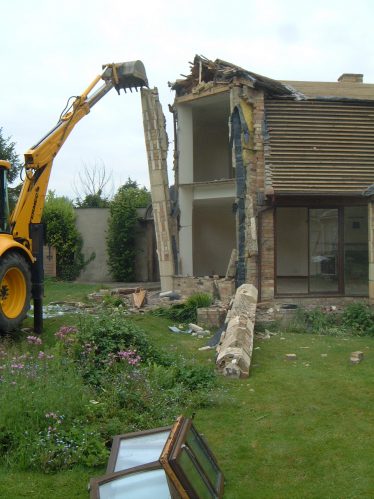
[317,204]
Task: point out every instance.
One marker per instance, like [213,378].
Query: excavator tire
[15,290]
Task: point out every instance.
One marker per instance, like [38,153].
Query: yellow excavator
[21,233]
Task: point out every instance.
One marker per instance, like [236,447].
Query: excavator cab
[126,75]
[4,202]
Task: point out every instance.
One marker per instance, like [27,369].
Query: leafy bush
[59,217]
[61,408]
[41,426]
[359,318]
[185,312]
[356,319]
[97,342]
[121,229]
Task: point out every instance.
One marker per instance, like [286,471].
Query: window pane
[197,447]
[193,475]
[356,250]
[323,250]
[141,485]
[139,450]
[292,250]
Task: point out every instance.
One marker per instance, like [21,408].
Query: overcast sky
[51,50]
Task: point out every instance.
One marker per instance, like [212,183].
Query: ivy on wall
[61,232]
[121,229]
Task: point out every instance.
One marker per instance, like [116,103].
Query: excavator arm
[39,159]
[20,249]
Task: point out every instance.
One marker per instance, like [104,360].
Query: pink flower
[65,333]
[34,340]
[17,366]
[130,356]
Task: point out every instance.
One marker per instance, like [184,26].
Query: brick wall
[267,246]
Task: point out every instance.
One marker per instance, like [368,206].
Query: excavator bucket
[126,75]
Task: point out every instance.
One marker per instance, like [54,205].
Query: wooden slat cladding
[319,146]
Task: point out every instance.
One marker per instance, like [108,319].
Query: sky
[51,50]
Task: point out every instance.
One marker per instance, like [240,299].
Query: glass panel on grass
[139,450]
[198,448]
[193,475]
[141,485]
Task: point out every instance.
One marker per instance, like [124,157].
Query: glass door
[323,250]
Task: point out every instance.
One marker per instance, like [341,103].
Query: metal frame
[314,203]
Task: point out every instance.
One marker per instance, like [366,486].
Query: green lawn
[293,429]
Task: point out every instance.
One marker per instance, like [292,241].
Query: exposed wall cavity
[236,129]
[205,182]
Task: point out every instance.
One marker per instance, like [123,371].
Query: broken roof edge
[219,72]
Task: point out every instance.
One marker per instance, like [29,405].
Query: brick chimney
[351,78]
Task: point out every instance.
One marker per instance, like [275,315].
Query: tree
[59,218]
[121,229]
[92,189]
[8,153]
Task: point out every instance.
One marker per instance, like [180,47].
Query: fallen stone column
[236,345]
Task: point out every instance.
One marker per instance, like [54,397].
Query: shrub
[317,321]
[359,318]
[61,408]
[356,319]
[186,312]
[121,230]
[96,344]
[40,426]
[59,218]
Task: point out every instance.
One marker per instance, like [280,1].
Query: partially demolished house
[275,170]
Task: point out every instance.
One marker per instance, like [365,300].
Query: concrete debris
[263,336]
[356,357]
[195,328]
[212,317]
[171,295]
[290,356]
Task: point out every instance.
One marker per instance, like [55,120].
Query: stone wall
[267,246]
[156,142]
[223,289]
[92,224]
